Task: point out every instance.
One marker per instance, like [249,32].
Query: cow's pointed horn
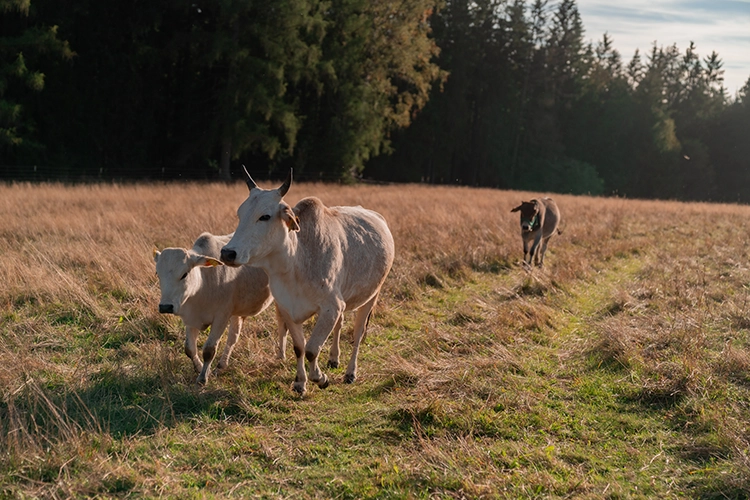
[249,180]
[287,183]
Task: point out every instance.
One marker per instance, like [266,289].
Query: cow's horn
[287,183]
[250,182]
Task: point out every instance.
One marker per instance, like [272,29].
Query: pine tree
[20,45]
[376,72]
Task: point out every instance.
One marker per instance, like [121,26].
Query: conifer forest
[513,94]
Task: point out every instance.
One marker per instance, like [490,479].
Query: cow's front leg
[298,340]
[209,348]
[191,347]
[526,240]
[534,256]
[235,327]
[327,319]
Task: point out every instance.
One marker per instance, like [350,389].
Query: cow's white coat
[320,260]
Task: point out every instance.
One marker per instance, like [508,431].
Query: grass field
[620,370]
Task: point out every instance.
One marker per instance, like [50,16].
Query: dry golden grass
[621,369]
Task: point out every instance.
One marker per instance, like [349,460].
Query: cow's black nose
[166,308]
[228,256]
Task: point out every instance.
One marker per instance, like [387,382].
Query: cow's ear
[157,253]
[517,208]
[291,220]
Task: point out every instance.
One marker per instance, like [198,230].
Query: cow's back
[551,216]
[349,248]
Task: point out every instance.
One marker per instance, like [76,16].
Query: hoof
[200,381]
[333,364]
[299,388]
[349,378]
[324,382]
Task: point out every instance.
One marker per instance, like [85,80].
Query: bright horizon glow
[713,25]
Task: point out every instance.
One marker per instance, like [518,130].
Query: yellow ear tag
[213,262]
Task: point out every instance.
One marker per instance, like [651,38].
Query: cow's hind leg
[235,327]
[209,348]
[191,347]
[333,355]
[360,331]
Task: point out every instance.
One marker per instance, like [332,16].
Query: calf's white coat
[200,290]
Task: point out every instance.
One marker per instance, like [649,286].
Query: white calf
[196,287]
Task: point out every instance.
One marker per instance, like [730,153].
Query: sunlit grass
[620,370]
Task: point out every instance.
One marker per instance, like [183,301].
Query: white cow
[193,288]
[319,260]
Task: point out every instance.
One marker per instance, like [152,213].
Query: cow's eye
[183,276]
[265,217]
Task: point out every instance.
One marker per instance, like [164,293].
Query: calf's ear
[203,261]
[291,220]
[517,208]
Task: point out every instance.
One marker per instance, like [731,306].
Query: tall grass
[621,369]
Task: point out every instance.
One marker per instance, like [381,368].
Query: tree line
[501,93]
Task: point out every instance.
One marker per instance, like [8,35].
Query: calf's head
[265,222]
[178,279]
[530,215]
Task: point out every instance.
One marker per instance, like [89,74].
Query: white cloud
[714,25]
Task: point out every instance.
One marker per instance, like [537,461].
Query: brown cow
[540,219]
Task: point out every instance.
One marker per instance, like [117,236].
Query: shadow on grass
[121,404]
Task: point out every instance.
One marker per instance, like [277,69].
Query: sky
[714,25]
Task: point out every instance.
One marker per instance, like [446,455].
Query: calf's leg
[209,348]
[191,347]
[235,327]
[280,335]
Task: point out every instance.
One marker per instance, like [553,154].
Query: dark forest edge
[498,93]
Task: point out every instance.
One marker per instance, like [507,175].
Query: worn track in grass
[620,370]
